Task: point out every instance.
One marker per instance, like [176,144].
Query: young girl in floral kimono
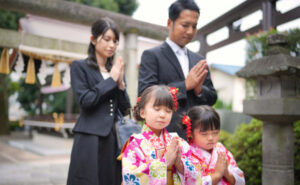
[156,157]
[216,162]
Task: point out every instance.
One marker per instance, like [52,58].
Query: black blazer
[98,99]
[160,65]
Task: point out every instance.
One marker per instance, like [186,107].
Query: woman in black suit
[99,89]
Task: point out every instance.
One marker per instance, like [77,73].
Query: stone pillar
[277,104]
[131,69]
[69,102]
[278,153]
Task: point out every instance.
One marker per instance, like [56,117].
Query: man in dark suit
[174,65]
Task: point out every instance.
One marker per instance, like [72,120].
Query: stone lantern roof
[277,62]
[277,84]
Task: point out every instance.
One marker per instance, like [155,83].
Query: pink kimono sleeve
[137,168]
[235,170]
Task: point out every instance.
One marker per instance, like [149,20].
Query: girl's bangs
[163,98]
[208,122]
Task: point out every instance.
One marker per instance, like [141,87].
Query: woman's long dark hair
[100,27]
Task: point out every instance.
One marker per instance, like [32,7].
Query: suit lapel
[96,74]
[171,57]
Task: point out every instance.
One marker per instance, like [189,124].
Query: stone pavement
[41,160]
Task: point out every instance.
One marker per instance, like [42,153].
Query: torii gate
[86,15]
[82,14]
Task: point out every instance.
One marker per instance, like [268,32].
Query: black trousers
[93,161]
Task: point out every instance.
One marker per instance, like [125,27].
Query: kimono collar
[199,151]
[157,142]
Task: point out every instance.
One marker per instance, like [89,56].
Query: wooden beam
[287,16]
[271,17]
[13,39]
[234,14]
[82,14]
[233,38]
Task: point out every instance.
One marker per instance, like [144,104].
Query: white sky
[156,12]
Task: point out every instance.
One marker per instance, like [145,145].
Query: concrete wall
[144,44]
[231,89]
[231,120]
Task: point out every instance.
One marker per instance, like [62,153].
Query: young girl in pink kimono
[156,157]
[216,162]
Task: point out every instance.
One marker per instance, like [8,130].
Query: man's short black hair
[178,6]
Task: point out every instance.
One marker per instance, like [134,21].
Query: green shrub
[222,105]
[246,146]
[224,137]
[297,152]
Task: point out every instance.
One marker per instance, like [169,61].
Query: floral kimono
[207,161]
[143,161]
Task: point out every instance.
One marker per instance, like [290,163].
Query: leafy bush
[297,152]
[246,146]
[222,105]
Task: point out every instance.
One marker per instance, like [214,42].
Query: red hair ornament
[187,122]
[174,92]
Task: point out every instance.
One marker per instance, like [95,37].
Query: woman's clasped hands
[117,72]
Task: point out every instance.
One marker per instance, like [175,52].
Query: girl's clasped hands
[173,155]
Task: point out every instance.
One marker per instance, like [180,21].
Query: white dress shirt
[181,54]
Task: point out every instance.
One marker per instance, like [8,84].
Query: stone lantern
[278,105]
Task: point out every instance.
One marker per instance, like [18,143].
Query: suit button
[110,100]
[111,105]
[111,110]
[111,114]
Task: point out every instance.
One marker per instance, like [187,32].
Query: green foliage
[246,146]
[9,19]
[297,152]
[222,105]
[126,7]
[55,102]
[12,86]
[294,41]
[29,97]
[225,137]
[257,45]
[14,125]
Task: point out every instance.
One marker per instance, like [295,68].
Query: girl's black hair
[178,6]
[204,117]
[100,27]
[162,96]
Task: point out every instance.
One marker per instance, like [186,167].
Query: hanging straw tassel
[56,77]
[30,74]
[4,62]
